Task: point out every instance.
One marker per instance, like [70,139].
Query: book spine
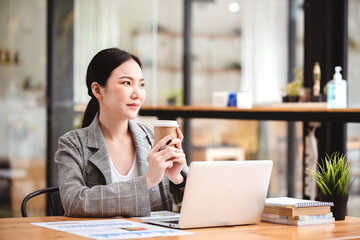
[278,216]
[297,222]
[301,217]
[292,212]
[314,217]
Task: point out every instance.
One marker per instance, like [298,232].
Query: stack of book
[293,211]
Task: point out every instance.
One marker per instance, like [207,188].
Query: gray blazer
[85,183]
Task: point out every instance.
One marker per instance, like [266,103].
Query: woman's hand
[168,161]
[160,160]
[173,173]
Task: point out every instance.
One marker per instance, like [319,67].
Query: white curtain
[264,49]
[96,28]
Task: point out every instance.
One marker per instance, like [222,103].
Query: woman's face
[124,92]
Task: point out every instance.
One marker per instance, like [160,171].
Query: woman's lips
[133,105]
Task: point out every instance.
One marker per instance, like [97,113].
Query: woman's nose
[136,92]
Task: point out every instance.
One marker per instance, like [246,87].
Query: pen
[167,143]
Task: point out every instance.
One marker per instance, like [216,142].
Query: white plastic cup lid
[166,123]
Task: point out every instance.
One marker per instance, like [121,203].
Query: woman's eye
[142,85]
[126,83]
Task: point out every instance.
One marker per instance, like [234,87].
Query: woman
[109,167]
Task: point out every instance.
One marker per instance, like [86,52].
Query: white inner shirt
[117,177]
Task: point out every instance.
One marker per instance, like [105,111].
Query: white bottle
[12,93]
[337,91]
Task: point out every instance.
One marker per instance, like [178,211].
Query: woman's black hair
[99,70]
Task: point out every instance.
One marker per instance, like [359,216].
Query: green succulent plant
[294,87]
[333,178]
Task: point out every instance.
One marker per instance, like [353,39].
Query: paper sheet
[112,229]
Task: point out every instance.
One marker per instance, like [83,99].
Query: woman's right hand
[160,160]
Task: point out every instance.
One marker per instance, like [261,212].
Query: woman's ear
[96,90]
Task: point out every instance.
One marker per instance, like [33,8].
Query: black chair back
[54,197]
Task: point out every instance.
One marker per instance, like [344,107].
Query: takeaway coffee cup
[162,128]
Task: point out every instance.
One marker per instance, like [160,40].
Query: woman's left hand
[173,173]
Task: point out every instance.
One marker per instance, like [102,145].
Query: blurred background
[237,45]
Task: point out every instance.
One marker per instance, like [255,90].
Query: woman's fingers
[180,136]
[168,164]
[173,156]
[170,149]
[162,143]
[172,142]
[179,133]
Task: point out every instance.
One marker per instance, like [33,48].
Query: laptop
[222,193]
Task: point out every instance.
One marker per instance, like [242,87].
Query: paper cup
[162,128]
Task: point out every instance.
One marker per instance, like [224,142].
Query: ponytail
[90,112]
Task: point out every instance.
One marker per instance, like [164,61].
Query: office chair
[55,201]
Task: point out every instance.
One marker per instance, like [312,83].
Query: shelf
[199,71]
[280,112]
[317,114]
[196,35]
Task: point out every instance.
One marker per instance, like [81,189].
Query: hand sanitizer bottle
[337,91]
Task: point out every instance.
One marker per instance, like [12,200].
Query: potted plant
[333,180]
[294,88]
[174,97]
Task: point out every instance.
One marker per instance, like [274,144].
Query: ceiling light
[234,7]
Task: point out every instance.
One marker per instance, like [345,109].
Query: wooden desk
[20,228]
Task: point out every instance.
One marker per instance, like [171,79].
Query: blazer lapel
[101,157]
[142,144]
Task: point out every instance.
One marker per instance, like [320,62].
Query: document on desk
[112,229]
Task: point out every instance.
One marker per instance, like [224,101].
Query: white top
[117,177]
